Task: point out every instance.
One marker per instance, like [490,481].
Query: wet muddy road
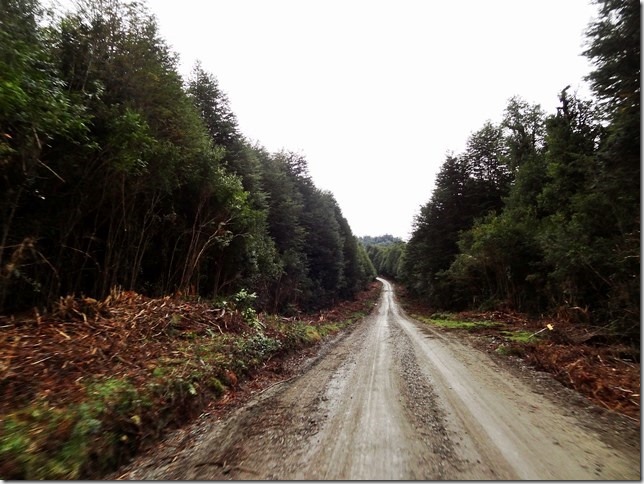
[396,400]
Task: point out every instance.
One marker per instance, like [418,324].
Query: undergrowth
[100,425]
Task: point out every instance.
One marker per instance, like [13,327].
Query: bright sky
[374,93]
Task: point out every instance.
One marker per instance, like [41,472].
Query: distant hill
[386,239]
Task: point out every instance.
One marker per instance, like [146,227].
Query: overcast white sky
[374,93]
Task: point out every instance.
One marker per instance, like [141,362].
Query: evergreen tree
[614,47]
[489,176]
[432,245]
[499,261]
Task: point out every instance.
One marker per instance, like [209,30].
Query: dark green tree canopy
[614,46]
[541,213]
[114,171]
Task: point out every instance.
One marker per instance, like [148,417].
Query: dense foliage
[385,253]
[115,171]
[541,212]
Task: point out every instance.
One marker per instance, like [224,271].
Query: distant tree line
[115,171]
[385,253]
[541,212]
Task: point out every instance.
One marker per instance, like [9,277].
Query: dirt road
[397,400]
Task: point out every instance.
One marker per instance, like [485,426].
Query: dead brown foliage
[582,357]
[600,373]
[51,355]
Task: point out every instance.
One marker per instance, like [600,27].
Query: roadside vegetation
[86,386]
[449,321]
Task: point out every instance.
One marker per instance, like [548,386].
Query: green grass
[518,336]
[516,343]
[445,321]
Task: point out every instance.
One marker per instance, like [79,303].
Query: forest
[541,212]
[115,172]
[152,258]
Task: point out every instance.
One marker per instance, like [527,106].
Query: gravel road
[394,399]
